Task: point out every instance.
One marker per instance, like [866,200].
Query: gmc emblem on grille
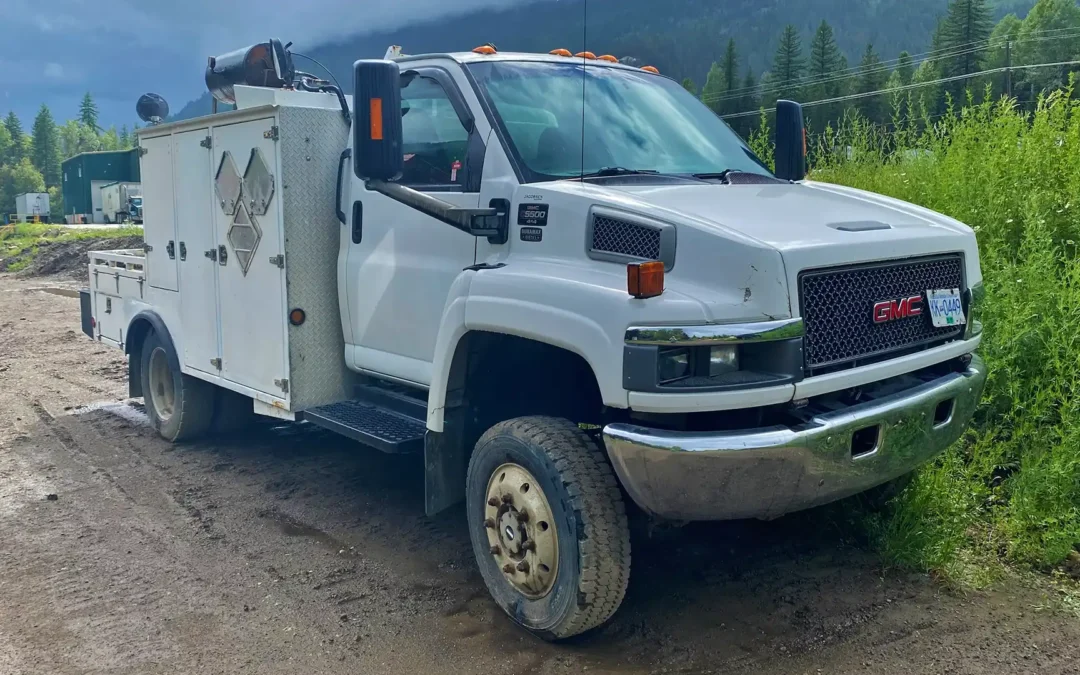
[891,310]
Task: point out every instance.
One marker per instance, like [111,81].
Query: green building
[85,174]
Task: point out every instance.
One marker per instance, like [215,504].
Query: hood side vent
[860,226]
[618,237]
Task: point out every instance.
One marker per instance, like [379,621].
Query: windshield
[633,120]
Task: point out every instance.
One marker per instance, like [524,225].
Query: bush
[1010,489]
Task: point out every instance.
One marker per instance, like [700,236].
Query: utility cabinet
[241,223]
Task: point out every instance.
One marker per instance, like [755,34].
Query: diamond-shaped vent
[228,185]
[244,236]
[258,184]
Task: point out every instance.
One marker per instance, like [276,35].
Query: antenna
[152,108]
[584,65]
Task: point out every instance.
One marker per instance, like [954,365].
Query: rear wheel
[548,526]
[179,406]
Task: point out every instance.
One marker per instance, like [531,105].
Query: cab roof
[473,57]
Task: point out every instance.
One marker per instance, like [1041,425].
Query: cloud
[119,49]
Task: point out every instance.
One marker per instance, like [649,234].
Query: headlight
[673,364]
[723,359]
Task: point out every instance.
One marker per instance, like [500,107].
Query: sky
[53,51]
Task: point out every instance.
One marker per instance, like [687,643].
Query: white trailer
[121,202]
[32,205]
[655,317]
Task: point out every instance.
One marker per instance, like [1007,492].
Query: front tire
[179,406]
[548,526]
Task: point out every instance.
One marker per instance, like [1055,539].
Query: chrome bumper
[765,473]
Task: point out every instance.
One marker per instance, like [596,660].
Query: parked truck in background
[32,207]
[121,202]
[563,280]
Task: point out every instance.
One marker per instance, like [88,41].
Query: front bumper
[765,473]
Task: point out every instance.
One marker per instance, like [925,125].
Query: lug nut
[529,546]
[489,523]
[508,568]
[523,566]
[523,516]
[507,499]
[493,501]
[495,550]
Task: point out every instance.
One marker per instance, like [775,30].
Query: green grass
[20,243]
[1008,494]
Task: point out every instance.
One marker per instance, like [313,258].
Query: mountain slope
[682,39]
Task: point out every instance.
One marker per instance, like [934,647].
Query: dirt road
[293,551]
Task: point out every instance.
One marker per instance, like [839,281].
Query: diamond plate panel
[258,184]
[618,236]
[227,184]
[837,308]
[311,143]
[244,236]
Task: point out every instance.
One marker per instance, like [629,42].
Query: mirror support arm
[477,222]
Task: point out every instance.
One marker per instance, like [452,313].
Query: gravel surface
[290,550]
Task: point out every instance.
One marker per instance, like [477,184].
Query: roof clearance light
[585,55]
[607,57]
[485,49]
[645,280]
[651,69]
[560,52]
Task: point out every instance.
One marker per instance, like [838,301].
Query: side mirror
[377,145]
[790,141]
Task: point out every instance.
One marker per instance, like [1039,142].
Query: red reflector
[645,280]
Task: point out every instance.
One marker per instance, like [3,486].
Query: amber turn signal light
[645,280]
[297,316]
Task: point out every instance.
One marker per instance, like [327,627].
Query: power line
[914,85]
[953,52]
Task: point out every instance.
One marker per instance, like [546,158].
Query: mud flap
[445,465]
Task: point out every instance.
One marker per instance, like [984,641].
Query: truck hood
[810,225]
[823,224]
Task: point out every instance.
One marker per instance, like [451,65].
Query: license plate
[946,307]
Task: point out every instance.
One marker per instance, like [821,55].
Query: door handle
[183,251]
[357,221]
[171,250]
[345,156]
[212,254]
[223,255]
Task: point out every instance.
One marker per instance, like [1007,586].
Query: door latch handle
[183,251]
[223,255]
[212,254]
[171,250]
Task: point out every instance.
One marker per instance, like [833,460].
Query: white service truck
[575,312]
[121,202]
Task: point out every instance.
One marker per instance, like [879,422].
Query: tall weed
[1010,489]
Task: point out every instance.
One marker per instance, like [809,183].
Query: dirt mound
[68,258]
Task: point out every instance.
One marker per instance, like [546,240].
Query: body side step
[375,425]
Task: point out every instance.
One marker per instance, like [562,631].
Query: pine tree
[1059,19]
[687,84]
[5,144]
[826,64]
[46,146]
[788,65]
[125,135]
[905,68]
[872,77]
[748,101]
[964,32]
[713,91]
[15,130]
[1004,50]
[729,70]
[88,113]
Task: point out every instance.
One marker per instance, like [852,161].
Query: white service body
[114,199]
[32,204]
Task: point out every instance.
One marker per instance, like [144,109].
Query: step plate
[382,429]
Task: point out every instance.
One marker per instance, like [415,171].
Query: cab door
[402,263]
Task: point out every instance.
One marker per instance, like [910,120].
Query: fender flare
[138,328]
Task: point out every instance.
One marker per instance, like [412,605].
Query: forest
[30,161]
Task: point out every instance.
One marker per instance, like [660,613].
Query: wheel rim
[162,394]
[521,531]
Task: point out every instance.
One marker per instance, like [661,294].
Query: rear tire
[563,567]
[179,406]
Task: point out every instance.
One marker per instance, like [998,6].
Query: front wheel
[548,526]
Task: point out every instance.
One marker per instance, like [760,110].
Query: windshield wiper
[619,171]
[718,175]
